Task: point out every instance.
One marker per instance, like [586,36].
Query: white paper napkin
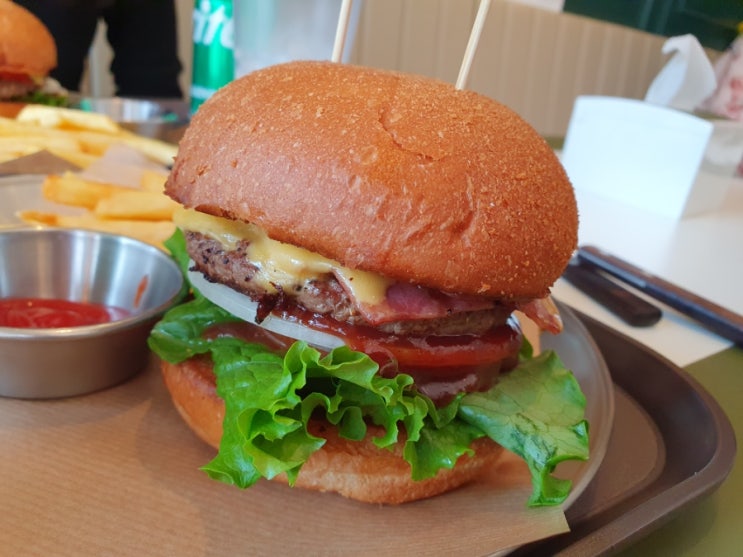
[121,165]
[687,78]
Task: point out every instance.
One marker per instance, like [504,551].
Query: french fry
[10,153]
[154,149]
[67,118]
[87,142]
[40,142]
[152,180]
[77,157]
[10,127]
[90,130]
[94,143]
[69,189]
[142,212]
[151,232]
[41,218]
[135,212]
[135,204]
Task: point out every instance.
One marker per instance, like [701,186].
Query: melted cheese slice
[281,264]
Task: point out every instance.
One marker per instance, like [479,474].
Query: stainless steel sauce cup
[81,266]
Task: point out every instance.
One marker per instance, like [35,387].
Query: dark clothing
[142,35]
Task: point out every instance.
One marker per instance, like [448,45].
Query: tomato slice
[433,351]
[498,344]
[442,355]
[441,366]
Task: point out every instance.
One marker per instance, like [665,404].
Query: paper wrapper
[117,473]
[42,162]
[120,165]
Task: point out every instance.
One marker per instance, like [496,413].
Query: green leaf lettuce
[536,410]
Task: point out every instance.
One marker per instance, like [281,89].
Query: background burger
[27,54]
[358,241]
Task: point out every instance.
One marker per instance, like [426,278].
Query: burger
[27,54]
[358,243]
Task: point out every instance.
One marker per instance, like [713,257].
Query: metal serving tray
[671,444]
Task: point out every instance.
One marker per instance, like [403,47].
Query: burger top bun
[393,173]
[26,45]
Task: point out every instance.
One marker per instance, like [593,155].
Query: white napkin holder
[652,157]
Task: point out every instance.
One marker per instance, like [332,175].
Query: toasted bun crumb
[393,173]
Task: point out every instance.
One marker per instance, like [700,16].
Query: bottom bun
[355,469]
[10,109]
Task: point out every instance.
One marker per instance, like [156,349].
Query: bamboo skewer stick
[341,31]
[469,53]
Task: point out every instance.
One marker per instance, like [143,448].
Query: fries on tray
[140,210]
[143,213]
[74,135]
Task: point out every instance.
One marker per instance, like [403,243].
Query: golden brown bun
[358,470]
[387,172]
[26,45]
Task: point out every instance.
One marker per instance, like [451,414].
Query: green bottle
[213,49]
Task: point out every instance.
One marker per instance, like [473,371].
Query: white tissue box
[653,157]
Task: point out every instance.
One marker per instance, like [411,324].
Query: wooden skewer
[341,31]
[469,53]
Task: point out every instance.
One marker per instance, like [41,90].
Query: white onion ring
[243,307]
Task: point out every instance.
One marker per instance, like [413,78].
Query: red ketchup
[40,313]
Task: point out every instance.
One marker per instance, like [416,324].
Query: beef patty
[324,295]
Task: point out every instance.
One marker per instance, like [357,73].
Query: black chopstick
[715,318]
[626,305]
